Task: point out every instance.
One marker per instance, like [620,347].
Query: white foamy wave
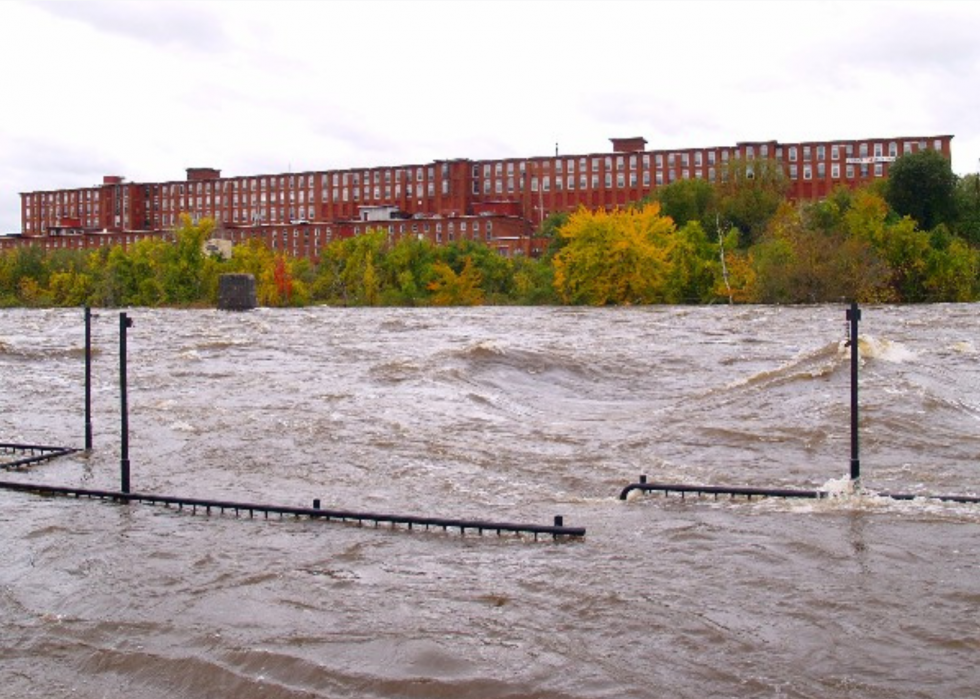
[894,352]
[487,347]
[842,487]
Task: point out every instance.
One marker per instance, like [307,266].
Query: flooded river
[505,414]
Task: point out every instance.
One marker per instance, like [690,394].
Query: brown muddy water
[508,414]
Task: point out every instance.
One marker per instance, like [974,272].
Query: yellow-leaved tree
[452,289]
[619,257]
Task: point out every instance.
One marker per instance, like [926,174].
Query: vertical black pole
[854,315]
[124,323]
[88,379]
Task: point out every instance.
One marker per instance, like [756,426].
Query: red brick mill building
[498,202]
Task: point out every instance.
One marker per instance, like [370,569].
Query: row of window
[404,176]
[489,186]
[245,214]
[605,164]
[308,182]
[600,166]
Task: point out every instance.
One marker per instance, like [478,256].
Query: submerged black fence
[31,454]
[732,491]
[853,317]
[23,455]
[239,509]
[15,456]
[748,492]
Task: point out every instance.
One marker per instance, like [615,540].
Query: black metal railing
[749,492]
[556,530]
[15,456]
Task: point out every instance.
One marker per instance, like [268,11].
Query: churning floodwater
[506,414]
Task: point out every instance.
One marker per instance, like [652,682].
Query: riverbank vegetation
[913,238]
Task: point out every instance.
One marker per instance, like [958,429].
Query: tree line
[912,238]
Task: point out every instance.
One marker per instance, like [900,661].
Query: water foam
[870,347]
[839,488]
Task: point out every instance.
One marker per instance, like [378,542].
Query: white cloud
[146,89]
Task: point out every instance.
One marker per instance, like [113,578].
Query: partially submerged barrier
[556,530]
[853,317]
[732,491]
[22,455]
[35,454]
[749,492]
[32,454]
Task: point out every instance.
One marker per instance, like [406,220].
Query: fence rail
[556,530]
[29,454]
[732,491]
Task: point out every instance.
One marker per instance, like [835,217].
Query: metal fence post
[854,315]
[124,324]
[88,379]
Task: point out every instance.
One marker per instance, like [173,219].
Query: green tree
[695,266]
[496,271]
[407,271]
[968,209]
[922,185]
[71,288]
[749,194]
[351,270]
[533,281]
[183,262]
[952,270]
[798,262]
[550,228]
[687,200]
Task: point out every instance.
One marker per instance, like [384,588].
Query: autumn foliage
[691,241]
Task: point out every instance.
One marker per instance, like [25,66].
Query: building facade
[500,202]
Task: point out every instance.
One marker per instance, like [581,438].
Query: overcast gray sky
[146,89]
